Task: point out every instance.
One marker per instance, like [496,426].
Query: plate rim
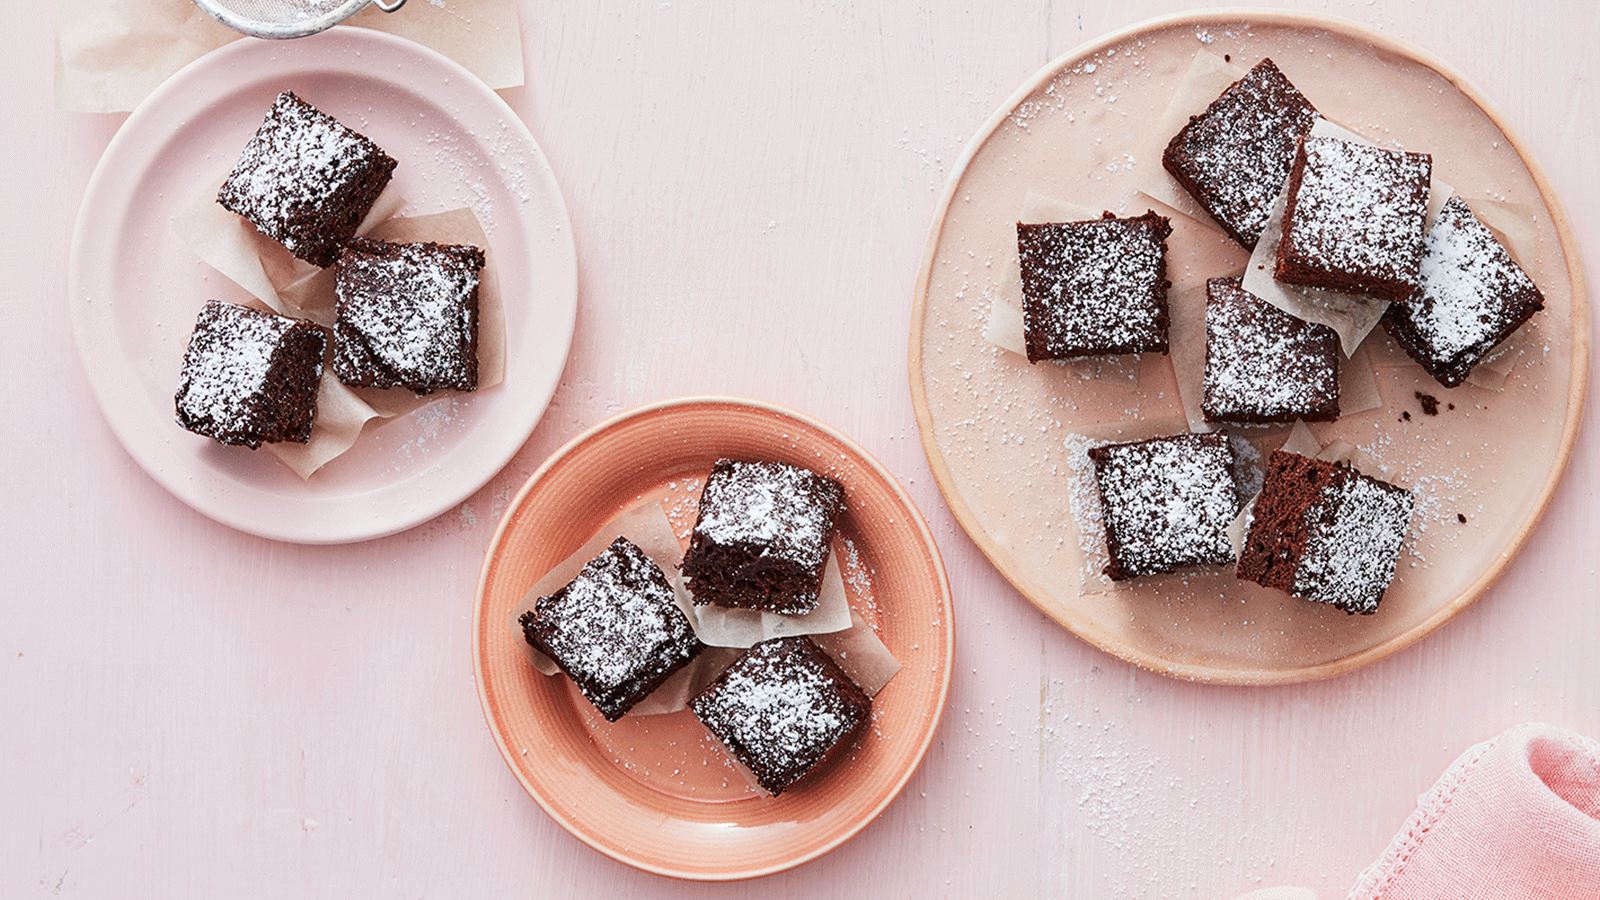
[207,498]
[913,518]
[1080,626]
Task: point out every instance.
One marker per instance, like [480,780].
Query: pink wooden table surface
[194,712]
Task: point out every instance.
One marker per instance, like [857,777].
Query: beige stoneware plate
[656,792]
[1483,468]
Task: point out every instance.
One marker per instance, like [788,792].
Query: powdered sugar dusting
[1359,210]
[1167,502]
[234,384]
[408,315]
[775,505]
[1353,543]
[299,169]
[1263,364]
[615,625]
[1472,295]
[1236,156]
[781,708]
[1094,287]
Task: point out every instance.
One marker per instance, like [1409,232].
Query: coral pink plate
[656,792]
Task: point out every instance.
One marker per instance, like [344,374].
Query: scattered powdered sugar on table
[1114,793]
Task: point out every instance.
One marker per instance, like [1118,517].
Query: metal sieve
[287,18]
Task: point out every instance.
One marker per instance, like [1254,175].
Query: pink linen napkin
[1517,816]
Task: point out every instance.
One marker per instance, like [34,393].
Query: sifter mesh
[287,18]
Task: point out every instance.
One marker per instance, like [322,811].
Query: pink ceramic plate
[135,287]
[1083,130]
[656,792]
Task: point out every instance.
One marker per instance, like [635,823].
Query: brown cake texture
[1094,288]
[782,709]
[1234,157]
[1264,365]
[1473,296]
[249,376]
[1325,532]
[762,536]
[305,180]
[1354,218]
[1167,503]
[615,629]
[407,315]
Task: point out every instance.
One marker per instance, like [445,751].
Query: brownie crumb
[1430,403]
[1405,416]
[1462,518]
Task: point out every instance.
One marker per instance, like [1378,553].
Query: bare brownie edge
[1313,511]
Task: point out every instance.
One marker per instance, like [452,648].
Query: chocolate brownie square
[1167,503]
[305,180]
[762,536]
[1325,532]
[615,629]
[1234,157]
[1264,365]
[249,376]
[1473,296]
[782,708]
[1094,288]
[407,315]
[1354,218]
